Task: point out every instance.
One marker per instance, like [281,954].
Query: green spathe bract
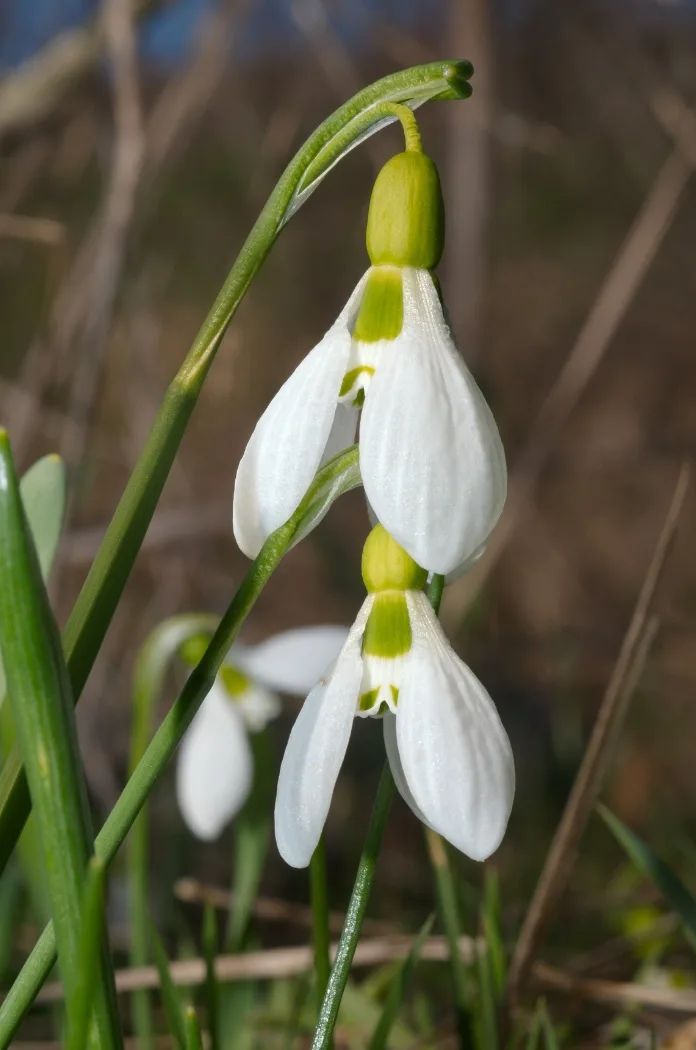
[406,220]
[387,567]
[381,313]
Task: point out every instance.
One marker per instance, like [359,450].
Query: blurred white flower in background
[215,767]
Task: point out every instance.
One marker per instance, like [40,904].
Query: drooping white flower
[431,459]
[215,767]
[447,748]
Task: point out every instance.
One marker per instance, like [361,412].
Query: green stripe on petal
[381,314]
[388,628]
[234,681]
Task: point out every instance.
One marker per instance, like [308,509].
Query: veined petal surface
[315,751]
[455,753]
[288,443]
[292,661]
[432,462]
[214,767]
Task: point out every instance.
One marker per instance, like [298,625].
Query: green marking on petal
[368,700]
[359,400]
[395,694]
[388,628]
[234,681]
[351,378]
[381,313]
[191,651]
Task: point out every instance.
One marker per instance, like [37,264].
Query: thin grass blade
[91,936]
[210,947]
[171,1001]
[667,882]
[193,1030]
[399,988]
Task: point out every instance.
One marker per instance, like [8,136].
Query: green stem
[150,670]
[42,711]
[320,916]
[97,601]
[355,914]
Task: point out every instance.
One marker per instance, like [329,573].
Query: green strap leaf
[91,935]
[164,743]
[193,1030]
[42,711]
[655,869]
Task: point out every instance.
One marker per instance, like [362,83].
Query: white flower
[215,767]
[431,459]
[447,748]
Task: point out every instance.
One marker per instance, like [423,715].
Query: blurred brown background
[128,182]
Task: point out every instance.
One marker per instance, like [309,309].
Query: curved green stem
[356,912]
[84,633]
[150,669]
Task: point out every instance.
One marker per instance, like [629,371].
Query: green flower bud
[406,221]
[387,567]
[388,628]
[381,313]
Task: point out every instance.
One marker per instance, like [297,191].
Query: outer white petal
[432,462]
[343,429]
[315,752]
[289,440]
[455,753]
[215,766]
[394,759]
[293,661]
[258,707]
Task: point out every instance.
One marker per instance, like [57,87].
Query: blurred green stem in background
[363,114]
[151,667]
[336,477]
[320,918]
[38,689]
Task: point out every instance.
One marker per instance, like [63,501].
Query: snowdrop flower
[431,459]
[448,751]
[215,767]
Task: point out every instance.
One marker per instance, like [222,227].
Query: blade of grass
[151,667]
[495,947]
[667,882]
[171,1002]
[356,910]
[399,987]
[320,918]
[193,1030]
[86,628]
[210,946]
[91,935]
[39,694]
[168,736]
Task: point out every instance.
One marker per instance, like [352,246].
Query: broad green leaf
[655,869]
[42,489]
[397,992]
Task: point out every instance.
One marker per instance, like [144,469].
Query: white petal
[289,440]
[394,759]
[258,707]
[343,430]
[215,766]
[432,462]
[293,661]
[455,753]
[315,752]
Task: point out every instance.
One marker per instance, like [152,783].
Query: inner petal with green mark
[386,645]
[236,684]
[380,320]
